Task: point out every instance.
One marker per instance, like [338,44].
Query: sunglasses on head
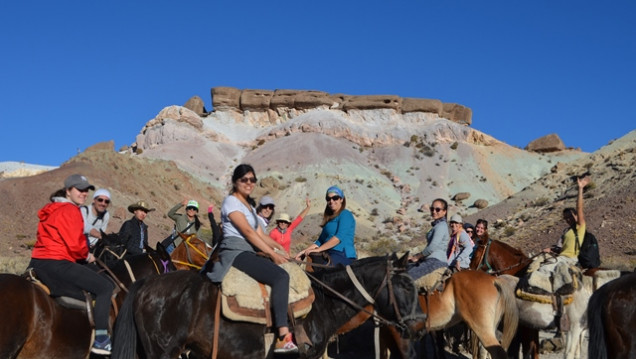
[104,200]
[436,209]
[248,179]
[332,198]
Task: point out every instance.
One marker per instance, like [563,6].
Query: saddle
[244,299]
[433,281]
[67,302]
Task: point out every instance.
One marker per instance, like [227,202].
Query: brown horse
[191,253]
[473,297]
[35,326]
[496,257]
[612,319]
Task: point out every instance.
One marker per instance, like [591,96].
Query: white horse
[541,316]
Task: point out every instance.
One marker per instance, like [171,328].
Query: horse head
[161,258]
[393,292]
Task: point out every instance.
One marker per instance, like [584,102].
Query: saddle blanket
[242,298]
[433,281]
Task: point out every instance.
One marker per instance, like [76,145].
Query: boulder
[225,98]
[461,196]
[548,143]
[196,105]
[255,100]
[481,203]
[410,104]
[372,102]
[457,113]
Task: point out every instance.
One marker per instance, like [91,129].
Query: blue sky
[74,73]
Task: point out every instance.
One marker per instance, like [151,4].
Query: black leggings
[65,278]
[265,271]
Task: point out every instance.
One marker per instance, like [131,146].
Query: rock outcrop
[284,100]
[548,143]
[196,105]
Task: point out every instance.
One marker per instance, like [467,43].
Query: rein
[377,317]
[484,260]
[189,246]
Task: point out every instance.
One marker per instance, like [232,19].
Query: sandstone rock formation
[284,100]
[548,143]
[196,105]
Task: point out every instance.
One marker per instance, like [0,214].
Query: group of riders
[67,230]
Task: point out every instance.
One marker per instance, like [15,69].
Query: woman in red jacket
[61,250]
[284,227]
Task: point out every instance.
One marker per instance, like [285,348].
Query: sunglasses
[437,209]
[332,198]
[192,208]
[103,200]
[269,206]
[248,179]
[469,231]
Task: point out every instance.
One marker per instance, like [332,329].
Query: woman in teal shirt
[338,230]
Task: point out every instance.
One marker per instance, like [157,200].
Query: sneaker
[286,345]
[101,345]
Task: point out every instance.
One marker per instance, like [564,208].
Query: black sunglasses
[194,208]
[436,209]
[248,179]
[105,200]
[269,206]
[332,198]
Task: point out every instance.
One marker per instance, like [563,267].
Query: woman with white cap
[61,250]
[285,226]
[460,246]
[338,230]
[265,211]
[96,216]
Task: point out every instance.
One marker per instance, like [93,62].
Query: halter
[386,281]
[484,260]
[188,247]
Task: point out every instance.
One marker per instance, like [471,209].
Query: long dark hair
[240,171]
[329,214]
[486,236]
[59,193]
[444,204]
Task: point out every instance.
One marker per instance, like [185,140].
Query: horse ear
[403,261]
[162,251]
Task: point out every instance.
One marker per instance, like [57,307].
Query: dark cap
[77,181]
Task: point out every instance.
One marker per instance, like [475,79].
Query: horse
[500,258]
[179,311]
[35,325]
[612,319]
[473,297]
[191,253]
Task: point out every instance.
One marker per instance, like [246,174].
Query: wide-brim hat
[284,217]
[139,205]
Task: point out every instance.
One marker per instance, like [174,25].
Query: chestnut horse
[35,326]
[612,320]
[177,312]
[473,297]
[191,253]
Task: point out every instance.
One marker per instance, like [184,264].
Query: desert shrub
[509,231]
[301,179]
[541,201]
[374,212]
[454,145]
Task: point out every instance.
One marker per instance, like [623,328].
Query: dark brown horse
[34,325]
[611,317]
[191,253]
[175,313]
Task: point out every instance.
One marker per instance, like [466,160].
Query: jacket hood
[49,208]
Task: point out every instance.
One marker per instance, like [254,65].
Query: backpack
[589,256]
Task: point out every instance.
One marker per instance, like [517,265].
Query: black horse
[611,316]
[175,313]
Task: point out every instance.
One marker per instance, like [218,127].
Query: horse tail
[510,310]
[597,348]
[125,331]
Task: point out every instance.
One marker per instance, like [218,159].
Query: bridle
[189,246]
[386,282]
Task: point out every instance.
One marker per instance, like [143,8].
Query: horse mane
[514,251]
